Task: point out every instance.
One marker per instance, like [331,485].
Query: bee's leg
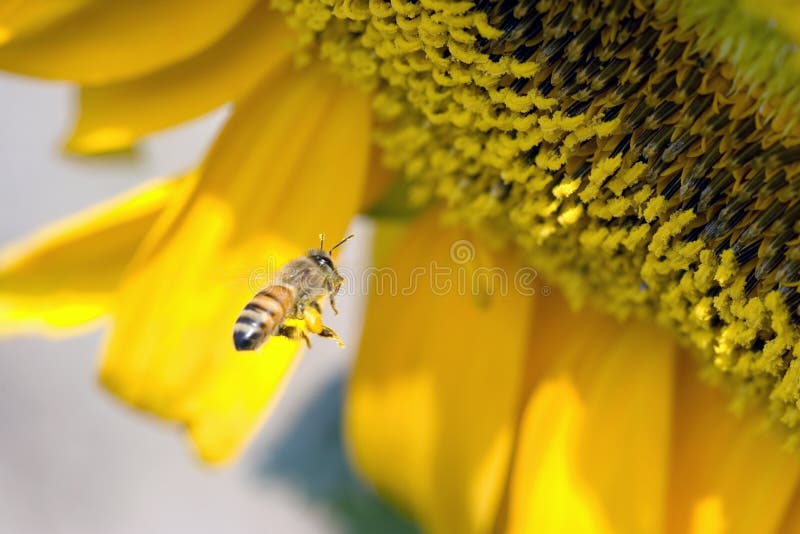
[314,324]
[292,332]
[327,331]
[333,304]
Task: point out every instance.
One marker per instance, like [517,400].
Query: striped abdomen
[262,316]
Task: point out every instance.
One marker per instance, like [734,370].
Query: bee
[297,292]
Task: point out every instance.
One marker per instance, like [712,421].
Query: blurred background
[72,459]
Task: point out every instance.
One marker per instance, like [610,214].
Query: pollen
[644,154]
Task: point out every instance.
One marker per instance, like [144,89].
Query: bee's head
[325,262]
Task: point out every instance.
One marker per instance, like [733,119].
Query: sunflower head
[643,155]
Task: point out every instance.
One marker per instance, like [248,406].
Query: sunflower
[641,155]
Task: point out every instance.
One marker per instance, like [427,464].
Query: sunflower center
[637,160]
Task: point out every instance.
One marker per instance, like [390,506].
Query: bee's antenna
[321,241]
[340,243]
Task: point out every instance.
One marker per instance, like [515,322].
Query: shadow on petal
[311,457]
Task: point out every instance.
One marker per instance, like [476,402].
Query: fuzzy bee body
[263,316]
[297,293]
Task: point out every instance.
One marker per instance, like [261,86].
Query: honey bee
[297,292]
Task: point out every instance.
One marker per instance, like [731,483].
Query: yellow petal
[381,180]
[729,473]
[779,14]
[290,163]
[66,274]
[432,402]
[114,116]
[790,523]
[109,41]
[21,17]
[594,434]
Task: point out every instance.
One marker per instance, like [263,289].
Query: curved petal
[66,275]
[115,116]
[593,447]
[432,401]
[729,473]
[109,41]
[290,163]
[21,17]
